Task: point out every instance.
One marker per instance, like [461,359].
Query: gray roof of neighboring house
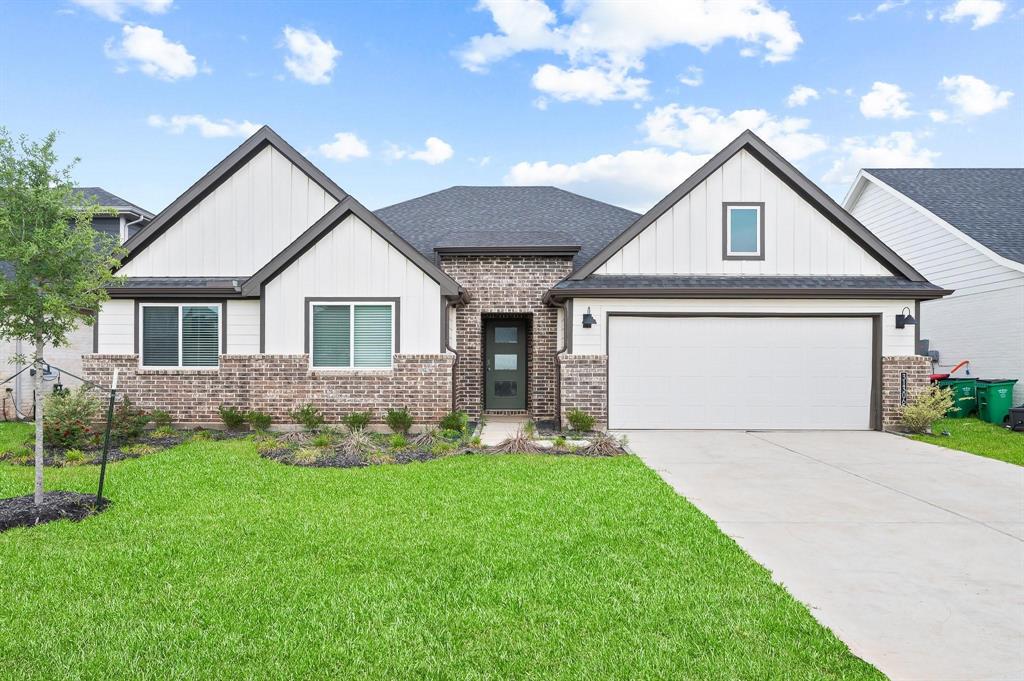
[744,282]
[488,217]
[986,204]
[108,200]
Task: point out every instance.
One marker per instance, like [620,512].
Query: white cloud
[891,4]
[634,178]
[895,150]
[693,77]
[114,10]
[604,42]
[435,151]
[705,130]
[974,97]
[590,84]
[153,53]
[225,127]
[886,100]
[312,58]
[938,116]
[346,145]
[800,95]
[982,12]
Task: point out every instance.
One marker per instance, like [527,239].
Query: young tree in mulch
[61,265]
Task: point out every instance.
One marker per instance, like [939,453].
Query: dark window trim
[726,205]
[185,301]
[396,323]
[875,405]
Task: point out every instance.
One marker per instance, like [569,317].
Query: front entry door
[505,364]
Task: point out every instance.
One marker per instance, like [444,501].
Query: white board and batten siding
[353,261]
[243,327]
[687,238]
[240,226]
[983,320]
[116,333]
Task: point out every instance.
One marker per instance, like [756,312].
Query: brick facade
[507,286]
[278,384]
[918,370]
[584,381]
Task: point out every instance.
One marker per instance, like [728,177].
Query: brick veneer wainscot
[278,384]
[507,285]
[584,386]
[918,370]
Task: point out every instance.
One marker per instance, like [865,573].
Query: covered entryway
[742,372]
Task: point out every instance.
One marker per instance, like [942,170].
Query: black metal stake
[106,440]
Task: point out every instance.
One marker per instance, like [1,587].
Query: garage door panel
[739,372]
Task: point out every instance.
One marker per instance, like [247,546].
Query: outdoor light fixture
[905,319]
[588,319]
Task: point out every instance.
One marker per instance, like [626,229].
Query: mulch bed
[340,459]
[22,512]
[54,456]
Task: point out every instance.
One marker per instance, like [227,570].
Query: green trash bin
[965,400]
[995,397]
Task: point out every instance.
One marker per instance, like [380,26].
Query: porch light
[588,319]
[905,319]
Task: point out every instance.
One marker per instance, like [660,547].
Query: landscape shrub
[259,420]
[232,417]
[519,443]
[398,441]
[129,422]
[926,408]
[357,442]
[559,441]
[160,418]
[449,434]
[455,420]
[602,444]
[322,440]
[74,457]
[530,428]
[357,420]
[68,419]
[140,449]
[580,420]
[399,420]
[308,416]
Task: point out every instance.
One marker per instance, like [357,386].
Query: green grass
[978,437]
[14,435]
[215,563]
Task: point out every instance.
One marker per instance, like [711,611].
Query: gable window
[352,335]
[180,335]
[743,231]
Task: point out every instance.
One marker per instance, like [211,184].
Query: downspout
[566,330]
[449,305]
[129,224]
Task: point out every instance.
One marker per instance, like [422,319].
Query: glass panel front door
[505,364]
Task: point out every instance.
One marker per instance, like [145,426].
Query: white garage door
[739,372]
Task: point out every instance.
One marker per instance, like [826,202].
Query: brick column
[585,385]
[916,369]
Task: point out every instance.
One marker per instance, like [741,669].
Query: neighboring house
[745,299]
[121,219]
[963,228]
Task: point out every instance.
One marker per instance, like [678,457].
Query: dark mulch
[337,458]
[22,512]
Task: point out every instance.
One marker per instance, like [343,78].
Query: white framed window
[743,231]
[180,335]
[351,334]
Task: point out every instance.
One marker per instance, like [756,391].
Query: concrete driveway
[912,554]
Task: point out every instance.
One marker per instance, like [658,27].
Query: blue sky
[616,101]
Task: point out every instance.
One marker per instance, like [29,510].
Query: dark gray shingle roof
[108,200]
[743,282]
[507,216]
[987,204]
[180,282]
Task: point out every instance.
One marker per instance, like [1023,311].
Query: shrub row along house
[746,298]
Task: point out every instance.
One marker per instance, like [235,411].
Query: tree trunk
[39,422]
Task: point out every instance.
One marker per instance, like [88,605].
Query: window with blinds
[180,336]
[352,335]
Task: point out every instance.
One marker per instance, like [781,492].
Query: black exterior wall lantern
[588,319]
[905,319]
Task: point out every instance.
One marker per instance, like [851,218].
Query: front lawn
[978,437]
[213,562]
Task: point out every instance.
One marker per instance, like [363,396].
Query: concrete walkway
[497,429]
[912,554]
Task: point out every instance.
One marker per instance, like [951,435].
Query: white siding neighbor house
[744,299]
[963,228]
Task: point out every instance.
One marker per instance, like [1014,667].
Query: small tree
[60,265]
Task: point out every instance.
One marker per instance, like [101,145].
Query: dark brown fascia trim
[725,229]
[251,287]
[785,171]
[220,172]
[566,250]
[561,294]
[875,404]
[218,293]
[396,322]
